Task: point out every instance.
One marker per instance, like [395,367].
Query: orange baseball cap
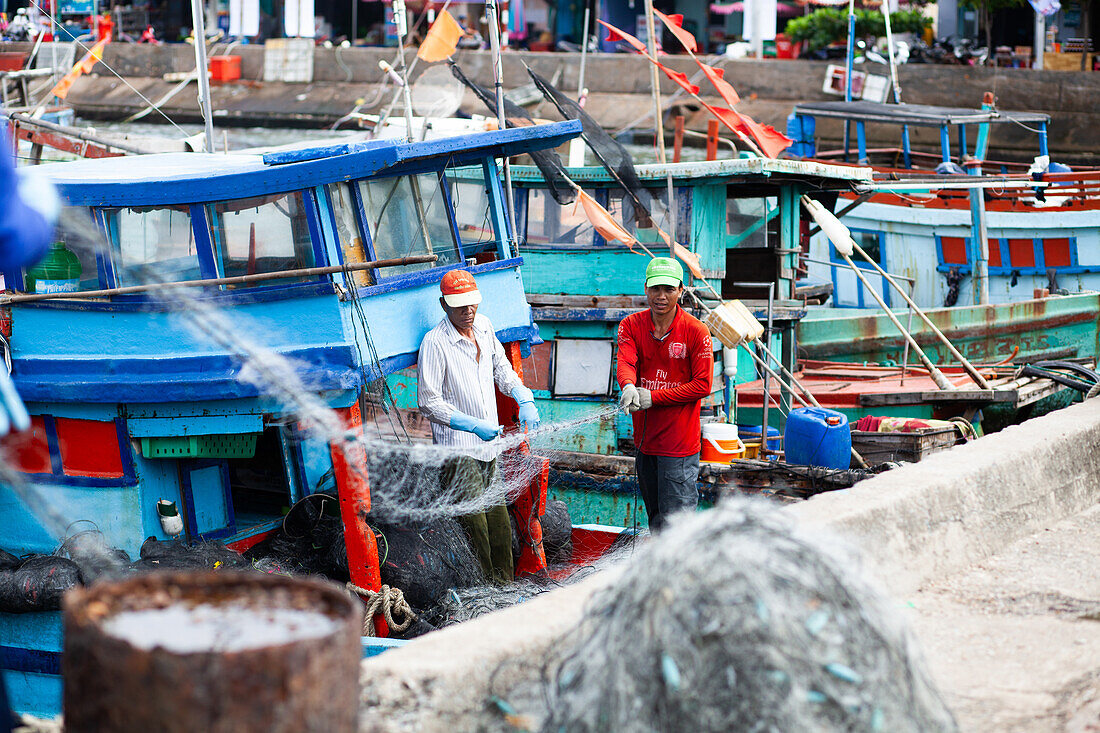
[459,289]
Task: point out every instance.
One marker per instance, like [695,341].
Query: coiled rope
[387,602]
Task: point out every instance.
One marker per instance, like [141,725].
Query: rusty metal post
[712,139]
[306,682]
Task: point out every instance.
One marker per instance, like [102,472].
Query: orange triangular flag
[771,141]
[601,220]
[729,94]
[442,39]
[83,66]
[675,24]
[683,254]
[614,34]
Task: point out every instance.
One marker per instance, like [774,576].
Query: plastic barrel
[752,433]
[818,437]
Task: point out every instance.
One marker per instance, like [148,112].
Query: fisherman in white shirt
[460,362]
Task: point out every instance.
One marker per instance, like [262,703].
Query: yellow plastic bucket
[720,443]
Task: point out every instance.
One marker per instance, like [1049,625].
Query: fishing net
[557,532]
[178,555]
[427,561]
[310,541]
[638,202]
[734,620]
[547,161]
[37,583]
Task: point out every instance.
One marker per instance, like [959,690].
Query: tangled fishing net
[735,620]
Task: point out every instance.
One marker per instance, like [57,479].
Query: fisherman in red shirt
[664,370]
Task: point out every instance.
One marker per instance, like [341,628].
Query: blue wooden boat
[329,256]
[1041,220]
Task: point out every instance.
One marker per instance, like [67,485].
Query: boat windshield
[262,234]
[473,216]
[409,216]
[550,223]
[160,239]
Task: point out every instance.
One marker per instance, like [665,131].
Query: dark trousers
[667,485]
[490,531]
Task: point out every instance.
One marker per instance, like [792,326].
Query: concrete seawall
[618,86]
[914,524]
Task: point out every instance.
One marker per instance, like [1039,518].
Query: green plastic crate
[200,446]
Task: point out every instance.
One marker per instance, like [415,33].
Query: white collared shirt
[451,378]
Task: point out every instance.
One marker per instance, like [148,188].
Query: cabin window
[752,222]
[80,237]
[161,239]
[473,215]
[643,224]
[871,243]
[550,223]
[409,216]
[263,234]
[352,246]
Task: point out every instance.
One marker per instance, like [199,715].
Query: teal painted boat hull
[1057,327]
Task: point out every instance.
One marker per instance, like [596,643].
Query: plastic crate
[200,446]
[225,68]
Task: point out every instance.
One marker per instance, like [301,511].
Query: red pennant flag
[679,77]
[771,141]
[728,93]
[675,24]
[614,34]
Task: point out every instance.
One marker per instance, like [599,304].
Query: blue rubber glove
[481,428]
[528,415]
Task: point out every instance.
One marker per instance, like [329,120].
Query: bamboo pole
[235,280]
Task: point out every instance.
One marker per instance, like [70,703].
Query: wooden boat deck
[841,386]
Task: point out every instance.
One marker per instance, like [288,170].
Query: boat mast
[400,19]
[199,23]
[655,82]
[493,17]
[849,60]
[658,117]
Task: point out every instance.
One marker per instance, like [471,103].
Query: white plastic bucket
[720,443]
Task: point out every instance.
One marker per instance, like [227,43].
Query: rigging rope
[389,603]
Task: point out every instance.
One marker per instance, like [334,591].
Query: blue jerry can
[816,436]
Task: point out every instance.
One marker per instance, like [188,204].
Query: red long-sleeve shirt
[677,370]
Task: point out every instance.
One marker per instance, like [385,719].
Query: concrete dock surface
[1014,640]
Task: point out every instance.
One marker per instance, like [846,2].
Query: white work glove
[628,400]
[645,398]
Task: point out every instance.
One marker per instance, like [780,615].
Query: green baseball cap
[664,271]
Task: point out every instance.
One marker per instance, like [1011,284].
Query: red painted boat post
[712,139]
[678,138]
[349,467]
[531,502]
